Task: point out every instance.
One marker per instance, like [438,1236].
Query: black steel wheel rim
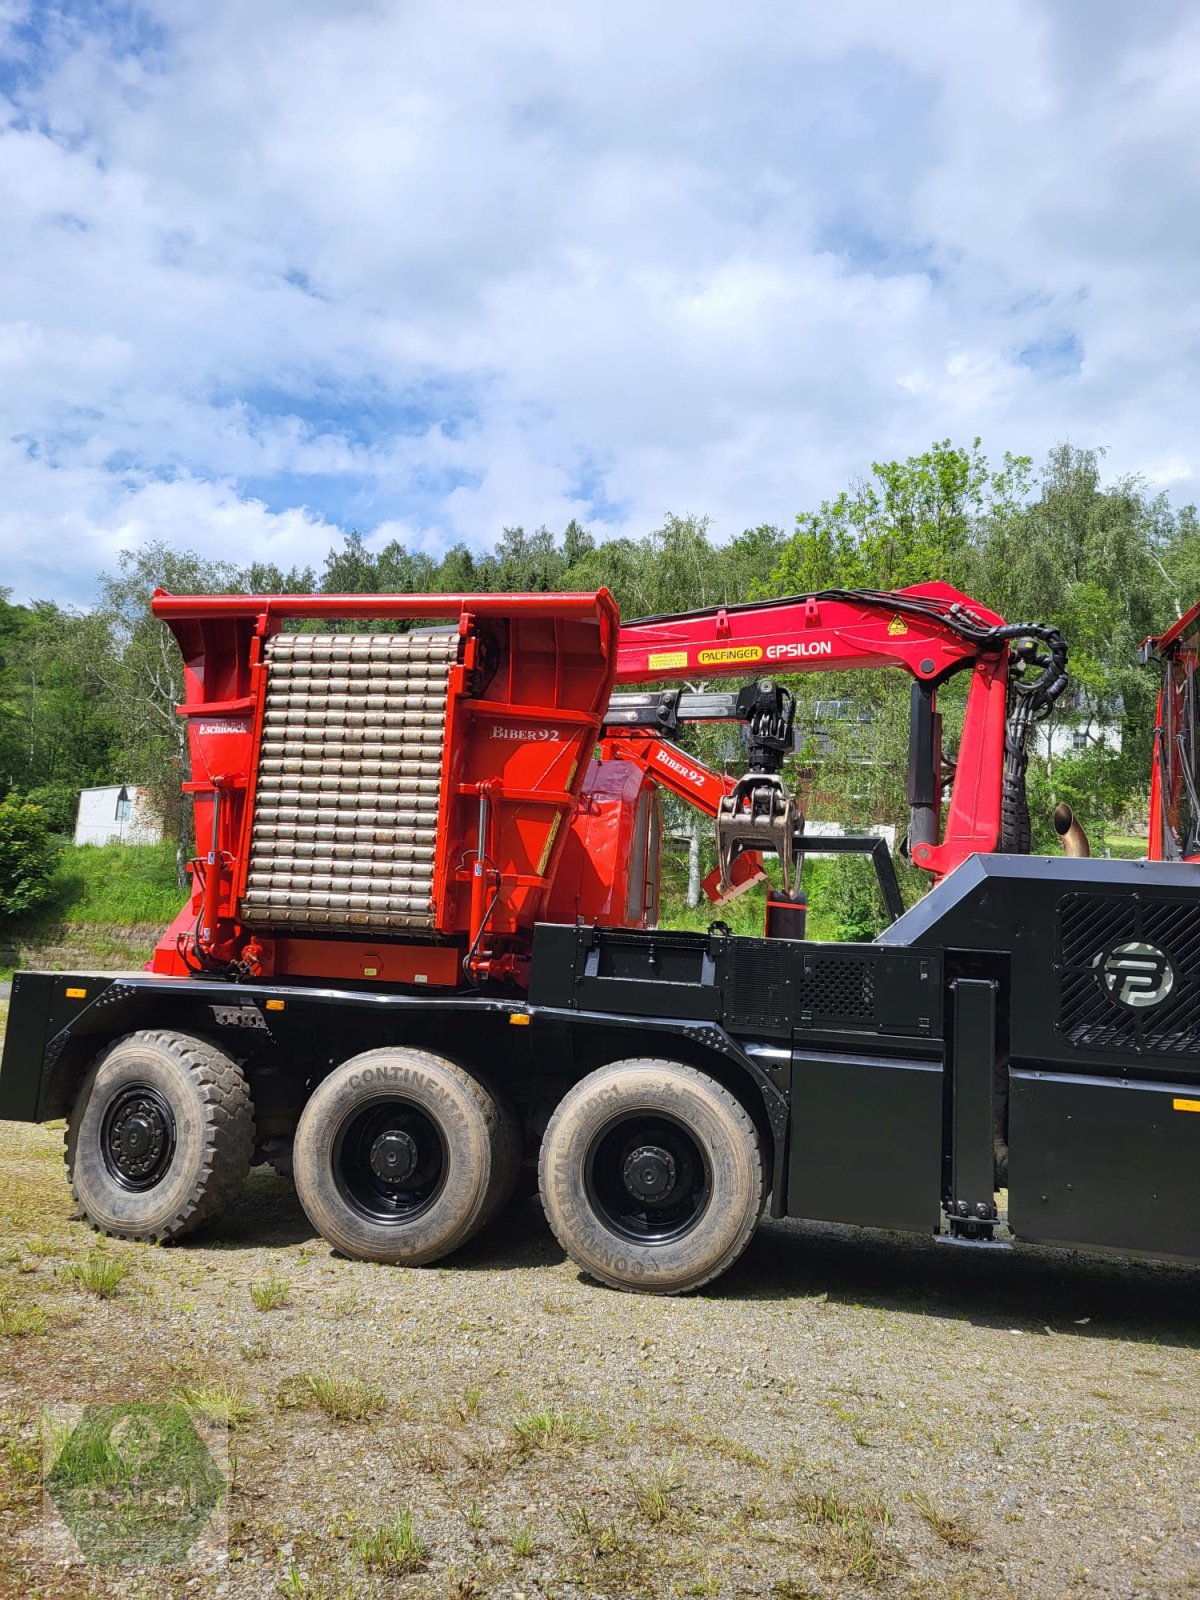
[389,1161]
[647,1178]
[137,1137]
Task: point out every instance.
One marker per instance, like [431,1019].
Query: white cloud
[272,271]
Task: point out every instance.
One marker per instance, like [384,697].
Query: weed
[393,1547]
[953,1528]
[39,1245]
[844,1541]
[17,1322]
[827,1506]
[553,1429]
[430,1457]
[220,1403]
[600,1539]
[473,1516]
[24,1457]
[272,1294]
[656,1497]
[295,1586]
[468,1405]
[521,1541]
[99,1273]
[715,1443]
[256,1349]
[341,1399]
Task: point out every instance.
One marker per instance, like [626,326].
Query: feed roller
[349,779]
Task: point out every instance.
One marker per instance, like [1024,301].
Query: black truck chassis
[1032,1025]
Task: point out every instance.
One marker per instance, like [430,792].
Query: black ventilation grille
[837,988]
[756,993]
[1090,928]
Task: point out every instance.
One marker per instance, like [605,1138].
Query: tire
[686,1215]
[160,1136]
[454,1142]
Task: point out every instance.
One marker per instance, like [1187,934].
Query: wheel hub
[394,1156]
[138,1138]
[650,1172]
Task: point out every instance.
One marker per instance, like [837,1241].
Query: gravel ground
[845,1413]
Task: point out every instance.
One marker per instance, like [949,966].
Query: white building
[120,812]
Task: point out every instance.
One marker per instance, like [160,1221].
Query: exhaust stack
[1070,831]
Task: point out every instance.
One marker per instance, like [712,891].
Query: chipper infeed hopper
[387,806]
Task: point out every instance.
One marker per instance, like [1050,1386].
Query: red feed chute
[382,805]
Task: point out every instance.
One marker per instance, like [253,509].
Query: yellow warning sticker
[1185,1105]
[897,626]
[667,659]
[729,652]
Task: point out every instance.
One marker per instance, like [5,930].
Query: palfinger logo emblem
[1137,975]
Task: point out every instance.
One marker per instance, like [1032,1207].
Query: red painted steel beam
[197,606]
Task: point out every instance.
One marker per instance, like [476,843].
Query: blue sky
[271,272]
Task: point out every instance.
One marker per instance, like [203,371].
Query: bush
[28,856]
[60,802]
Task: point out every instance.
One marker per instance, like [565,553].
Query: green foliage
[27,856]
[854,893]
[59,803]
[116,884]
[910,522]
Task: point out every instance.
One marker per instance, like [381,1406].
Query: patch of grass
[221,1403]
[117,884]
[341,1399]
[656,1497]
[715,1443]
[827,1506]
[553,1428]
[295,1586]
[953,1528]
[257,1349]
[18,1322]
[601,1540]
[468,1405]
[99,1273]
[393,1547]
[521,1541]
[24,1459]
[430,1457]
[271,1294]
[844,1543]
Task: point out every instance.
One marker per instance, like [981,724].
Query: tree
[143,674]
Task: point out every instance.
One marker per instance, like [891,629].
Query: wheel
[401,1156]
[651,1176]
[160,1136]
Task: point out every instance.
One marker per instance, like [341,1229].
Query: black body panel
[866,1140]
[1106,1163]
[760,987]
